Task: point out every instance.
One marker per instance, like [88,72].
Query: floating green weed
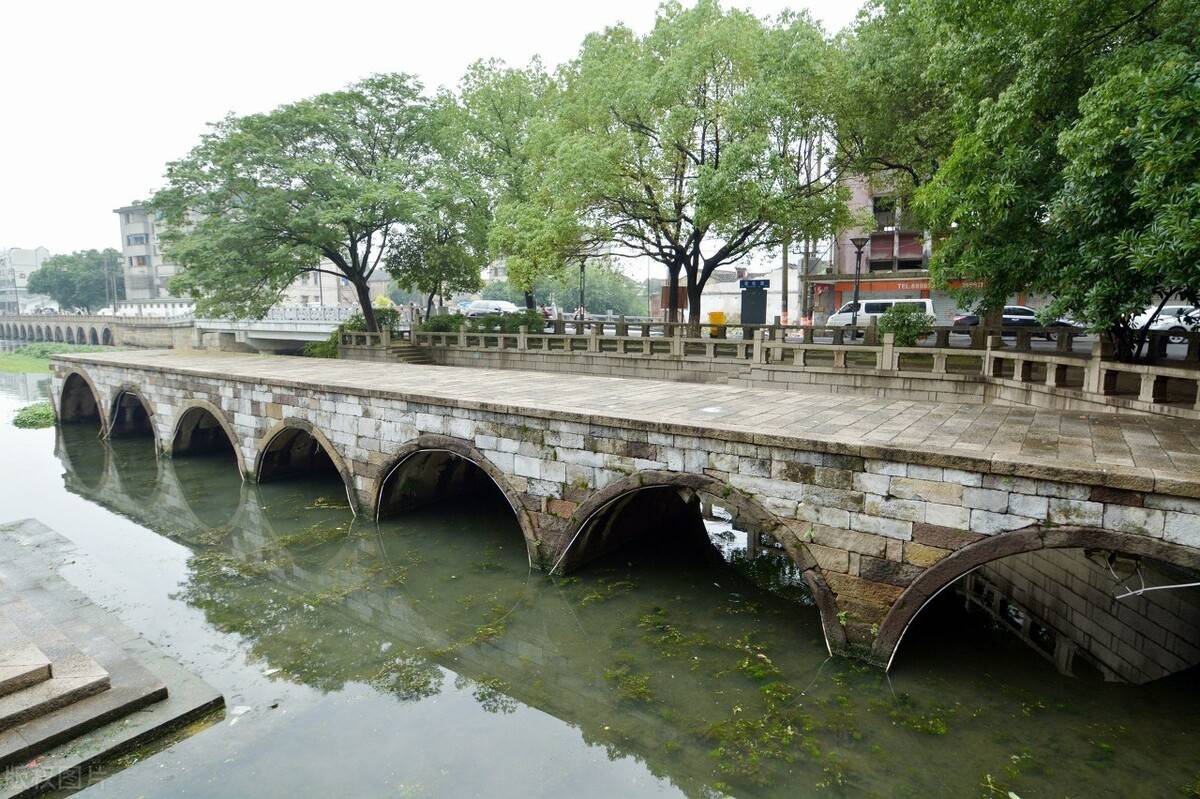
[35,416]
[755,662]
[634,687]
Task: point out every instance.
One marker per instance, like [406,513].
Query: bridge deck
[1144,453]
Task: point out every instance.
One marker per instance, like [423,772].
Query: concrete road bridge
[880,503]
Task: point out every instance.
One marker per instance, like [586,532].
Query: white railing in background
[312,313]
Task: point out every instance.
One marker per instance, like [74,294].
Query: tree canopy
[1052,146]
[686,145]
[607,288]
[77,281]
[320,185]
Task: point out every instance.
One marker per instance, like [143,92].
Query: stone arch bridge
[99,330]
[880,504]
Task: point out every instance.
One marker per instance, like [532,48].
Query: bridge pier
[874,531]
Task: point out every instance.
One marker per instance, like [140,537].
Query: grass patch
[36,357]
[34,417]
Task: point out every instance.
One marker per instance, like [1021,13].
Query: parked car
[1169,314]
[873,309]
[491,308]
[1018,316]
[1178,326]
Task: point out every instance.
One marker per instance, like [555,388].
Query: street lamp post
[859,242]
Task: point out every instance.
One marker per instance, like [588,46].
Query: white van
[872,308]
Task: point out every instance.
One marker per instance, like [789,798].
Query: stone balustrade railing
[1070,362]
[383,338]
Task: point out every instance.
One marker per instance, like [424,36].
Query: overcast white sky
[96,97]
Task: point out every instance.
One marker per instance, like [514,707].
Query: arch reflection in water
[709,681]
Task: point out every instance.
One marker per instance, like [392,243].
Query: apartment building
[16,265]
[895,260]
[144,269]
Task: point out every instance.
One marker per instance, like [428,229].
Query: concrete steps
[21,665]
[74,678]
[55,690]
[61,744]
[409,353]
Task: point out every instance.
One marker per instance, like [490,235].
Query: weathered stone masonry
[878,530]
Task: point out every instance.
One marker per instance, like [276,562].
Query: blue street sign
[754,284]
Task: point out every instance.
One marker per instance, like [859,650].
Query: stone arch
[58,334]
[131,415]
[284,437]
[80,336]
[946,571]
[193,432]
[79,400]
[463,450]
[106,337]
[93,339]
[41,333]
[750,511]
[70,335]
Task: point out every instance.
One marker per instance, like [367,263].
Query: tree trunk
[673,294]
[694,291]
[364,302]
[529,300]
[429,305]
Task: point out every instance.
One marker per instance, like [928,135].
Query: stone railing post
[622,327]
[939,363]
[462,335]
[677,340]
[523,337]
[993,344]
[1153,388]
[759,355]
[888,360]
[385,337]
[1095,380]
[594,339]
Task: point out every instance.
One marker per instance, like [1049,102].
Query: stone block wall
[1136,639]
[876,530]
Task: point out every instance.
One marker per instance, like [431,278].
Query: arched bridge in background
[880,504]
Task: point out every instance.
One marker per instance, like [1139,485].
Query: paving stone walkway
[1156,446]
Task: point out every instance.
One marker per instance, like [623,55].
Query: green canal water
[421,657]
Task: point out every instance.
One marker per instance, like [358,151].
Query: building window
[137,260]
[884,209]
[135,238]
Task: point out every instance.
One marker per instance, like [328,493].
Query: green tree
[320,185]
[497,109]
[444,248]
[442,252]
[607,288]
[665,145]
[1129,206]
[894,117]
[78,281]
[1073,164]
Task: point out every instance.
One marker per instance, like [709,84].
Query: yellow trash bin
[716,321]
